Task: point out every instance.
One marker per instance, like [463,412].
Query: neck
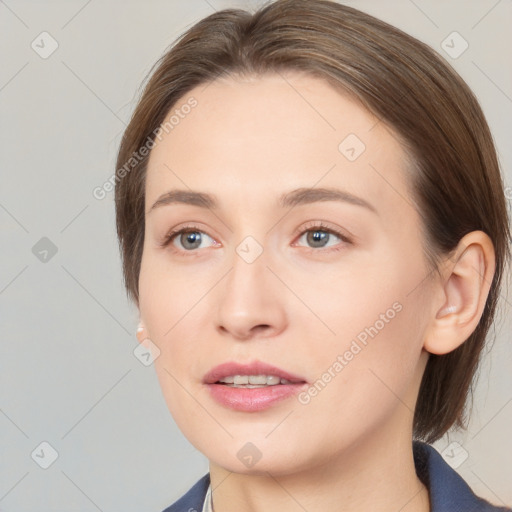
[377,473]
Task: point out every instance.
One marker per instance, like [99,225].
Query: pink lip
[251,399]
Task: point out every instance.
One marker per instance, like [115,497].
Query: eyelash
[311,226]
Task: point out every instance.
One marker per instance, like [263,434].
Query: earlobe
[141,332]
[464,287]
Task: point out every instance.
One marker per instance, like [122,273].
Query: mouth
[252,387]
[253,381]
[256,374]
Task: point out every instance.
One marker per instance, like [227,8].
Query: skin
[299,305]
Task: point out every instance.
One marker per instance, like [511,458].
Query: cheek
[376,299]
[166,297]
[370,357]
[161,305]
[360,385]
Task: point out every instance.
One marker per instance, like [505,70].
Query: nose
[252,301]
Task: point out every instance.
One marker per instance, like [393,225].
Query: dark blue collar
[448,491]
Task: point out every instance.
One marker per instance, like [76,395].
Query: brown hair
[455,173]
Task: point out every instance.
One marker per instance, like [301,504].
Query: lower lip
[253,399]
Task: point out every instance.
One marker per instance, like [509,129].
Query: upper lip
[255,368]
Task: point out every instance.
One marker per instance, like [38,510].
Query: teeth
[254,380]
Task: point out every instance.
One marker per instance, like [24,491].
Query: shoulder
[448,490]
[193,499]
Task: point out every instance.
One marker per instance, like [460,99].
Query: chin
[258,458]
[273,466]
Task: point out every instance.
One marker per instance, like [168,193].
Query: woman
[313,228]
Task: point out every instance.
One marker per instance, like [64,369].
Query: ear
[461,293]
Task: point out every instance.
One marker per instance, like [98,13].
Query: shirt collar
[208,506]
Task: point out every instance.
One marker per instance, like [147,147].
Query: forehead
[284,130]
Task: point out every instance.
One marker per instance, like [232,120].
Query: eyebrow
[293,198]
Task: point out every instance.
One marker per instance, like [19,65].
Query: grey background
[68,373]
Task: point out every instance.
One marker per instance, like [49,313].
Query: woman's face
[331,289]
